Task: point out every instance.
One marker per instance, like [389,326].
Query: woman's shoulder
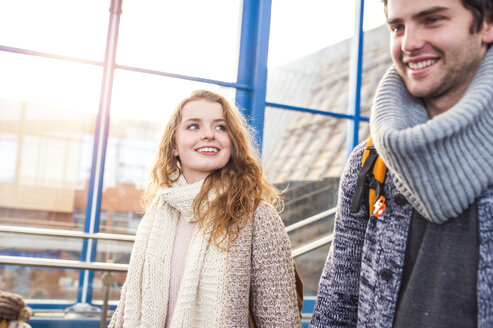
[266,211]
[267,219]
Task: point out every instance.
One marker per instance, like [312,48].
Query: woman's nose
[208,133]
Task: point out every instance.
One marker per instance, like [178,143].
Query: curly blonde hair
[240,185]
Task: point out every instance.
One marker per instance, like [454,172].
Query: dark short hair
[482,10]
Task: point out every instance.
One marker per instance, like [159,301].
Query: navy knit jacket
[361,279]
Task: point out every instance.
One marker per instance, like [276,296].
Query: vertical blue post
[93,210]
[355,79]
[252,65]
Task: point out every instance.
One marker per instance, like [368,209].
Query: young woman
[211,250]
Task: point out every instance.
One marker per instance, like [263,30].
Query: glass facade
[83,106]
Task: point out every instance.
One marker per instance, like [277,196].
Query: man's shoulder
[353,164]
[356,155]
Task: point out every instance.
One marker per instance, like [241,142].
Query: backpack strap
[369,185]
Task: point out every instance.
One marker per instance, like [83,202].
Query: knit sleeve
[337,300]
[273,291]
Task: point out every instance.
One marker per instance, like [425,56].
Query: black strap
[365,178]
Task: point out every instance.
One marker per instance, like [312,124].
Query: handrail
[120,267]
[61,264]
[66,233]
[310,219]
[313,245]
[129,238]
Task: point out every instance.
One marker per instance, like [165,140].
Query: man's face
[432,48]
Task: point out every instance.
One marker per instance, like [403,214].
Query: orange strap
[379,171]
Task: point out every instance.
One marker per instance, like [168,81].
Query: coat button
[385,274]
[400,200]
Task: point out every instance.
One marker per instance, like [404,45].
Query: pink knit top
[183,235]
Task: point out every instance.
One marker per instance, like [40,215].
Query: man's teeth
[207,150]
[422,64]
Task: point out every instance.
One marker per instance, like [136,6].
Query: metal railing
[108,268]
[66,233]
[131,238]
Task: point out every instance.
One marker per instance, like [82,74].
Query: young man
[427,260]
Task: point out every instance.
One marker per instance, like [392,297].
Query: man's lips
[420,64]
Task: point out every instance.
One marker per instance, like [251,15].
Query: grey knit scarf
[441,165]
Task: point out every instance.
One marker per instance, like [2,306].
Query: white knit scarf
[145,294]
[441,165]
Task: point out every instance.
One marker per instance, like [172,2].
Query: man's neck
[436,107]
[440,104]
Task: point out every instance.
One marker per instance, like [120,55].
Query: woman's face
[203,144]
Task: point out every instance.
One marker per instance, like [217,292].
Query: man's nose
[413,39]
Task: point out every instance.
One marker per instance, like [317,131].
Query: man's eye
[193,126]
[397,28]
[432,19]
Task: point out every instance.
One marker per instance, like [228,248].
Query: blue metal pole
[246,54]
[355,79]
[252,65]
[93,209]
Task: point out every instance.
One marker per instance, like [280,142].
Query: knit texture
[352,290]
[183,236]
[261,273]
[144,296]
[440,165]
[256,272]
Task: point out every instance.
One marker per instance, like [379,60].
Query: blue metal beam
[252,63]
[355,79]
[93,209]
[315,111]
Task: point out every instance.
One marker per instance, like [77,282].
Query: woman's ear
[175,152]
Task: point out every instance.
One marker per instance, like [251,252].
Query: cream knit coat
[259,273]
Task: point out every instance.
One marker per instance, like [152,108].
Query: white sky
[173,36]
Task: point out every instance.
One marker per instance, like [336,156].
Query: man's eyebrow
[421,14]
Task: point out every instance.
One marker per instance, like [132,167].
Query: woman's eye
[221,127]
[193,126]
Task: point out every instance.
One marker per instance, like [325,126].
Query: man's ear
[487,32]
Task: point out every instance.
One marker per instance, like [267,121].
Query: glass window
[36,283]
[8,145]
[309,63]
[301,146]
[48,111]
[206,45]
[64,27]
